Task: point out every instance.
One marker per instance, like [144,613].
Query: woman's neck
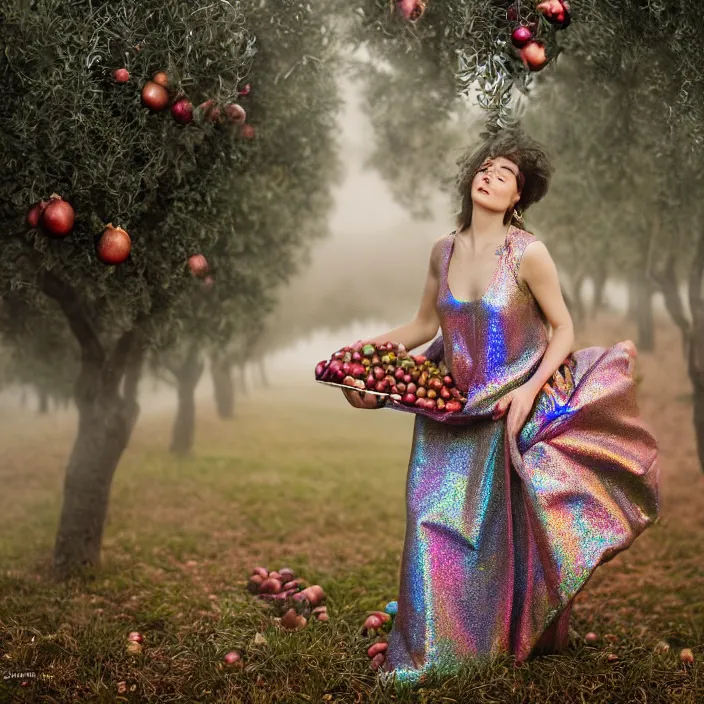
[487,227]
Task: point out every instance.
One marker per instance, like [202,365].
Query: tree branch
[91,347]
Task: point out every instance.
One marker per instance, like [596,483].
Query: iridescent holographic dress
[503,532]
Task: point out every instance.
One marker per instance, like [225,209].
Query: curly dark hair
[534,164]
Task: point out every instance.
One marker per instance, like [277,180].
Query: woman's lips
[481,189]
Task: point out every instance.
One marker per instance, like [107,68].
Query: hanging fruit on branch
[521,36]
[236,113]
[155,96]
[121,75]
[246,90]
[198,264]
[182,111]
[114,245]
[411,10]
[56,219]
[35,212]
[247,131]
[557,12]
[161,79]
[534,56]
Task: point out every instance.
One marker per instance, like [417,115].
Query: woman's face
[495,185]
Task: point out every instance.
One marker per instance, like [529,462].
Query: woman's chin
[482,203]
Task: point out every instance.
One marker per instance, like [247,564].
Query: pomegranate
[372,623]
[521,36]
[121,75]
[376,648]
[198,265]
[57,217]
[411,10]
[233,658]
[687,656]
[35,212]
[161,79]
[236,113]
[557,12]
[155,96]
[591,638]
[182,111]
[534,56]
[247,131]
[246,90]
[261,571]
[114,245]
[270,586]
[135,636]
[512,14]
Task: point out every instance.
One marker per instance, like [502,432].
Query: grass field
[301,479]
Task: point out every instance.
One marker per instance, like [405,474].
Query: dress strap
[518,241]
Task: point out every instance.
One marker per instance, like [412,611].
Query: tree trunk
[642,292]
[666,278]
[696,344]
[105,422]
[223,386]
[104,426]
[187,378]
[632,298]
[242,379]
[262,373]
[43,401]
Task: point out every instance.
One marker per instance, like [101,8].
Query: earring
[518,216]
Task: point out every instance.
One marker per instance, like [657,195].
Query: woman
[547,472]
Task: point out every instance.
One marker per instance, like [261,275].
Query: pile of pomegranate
[293,602]
[412,380]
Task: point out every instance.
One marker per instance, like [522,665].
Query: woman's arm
[424,326]
[538,270]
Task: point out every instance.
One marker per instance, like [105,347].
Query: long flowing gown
[502,532]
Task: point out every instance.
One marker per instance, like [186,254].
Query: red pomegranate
[155,96]
[534,56]
[121,75]
[57,217]
[411,10]
[198,264]
[35,212]
[521,36]
[236,113]
[161,79]
[114,245]
[247,131]
[182,111]
[557,12]
[246,90]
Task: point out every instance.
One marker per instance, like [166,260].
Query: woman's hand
[360,399]
[519,403]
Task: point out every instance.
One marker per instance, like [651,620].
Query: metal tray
[353,388]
